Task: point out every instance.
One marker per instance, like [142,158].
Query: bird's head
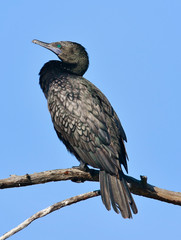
[73,55]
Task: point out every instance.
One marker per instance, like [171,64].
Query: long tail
[115,190]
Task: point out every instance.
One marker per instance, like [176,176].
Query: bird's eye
[59,46]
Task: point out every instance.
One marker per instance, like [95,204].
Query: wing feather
[88,125]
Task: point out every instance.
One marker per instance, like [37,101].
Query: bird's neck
[54,69]
[77,69]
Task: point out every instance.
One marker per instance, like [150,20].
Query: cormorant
[86,123]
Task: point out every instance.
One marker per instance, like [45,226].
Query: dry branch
[138,187]
[48,210]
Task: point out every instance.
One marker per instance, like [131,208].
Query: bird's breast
[64,105]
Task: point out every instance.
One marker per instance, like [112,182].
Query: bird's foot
[83,167]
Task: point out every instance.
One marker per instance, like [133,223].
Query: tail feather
[115,189]
[128,193]
[105,190]
[117,199]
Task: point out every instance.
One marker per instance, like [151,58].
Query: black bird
[86,123]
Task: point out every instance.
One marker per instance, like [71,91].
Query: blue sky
[135,58]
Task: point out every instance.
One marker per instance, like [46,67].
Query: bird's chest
[64,105]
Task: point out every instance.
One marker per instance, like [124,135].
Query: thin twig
[50,209]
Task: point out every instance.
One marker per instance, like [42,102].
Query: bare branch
[49,176]
[50,209]
[142,188]
[138,187]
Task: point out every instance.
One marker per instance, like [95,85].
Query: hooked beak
[49,46]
